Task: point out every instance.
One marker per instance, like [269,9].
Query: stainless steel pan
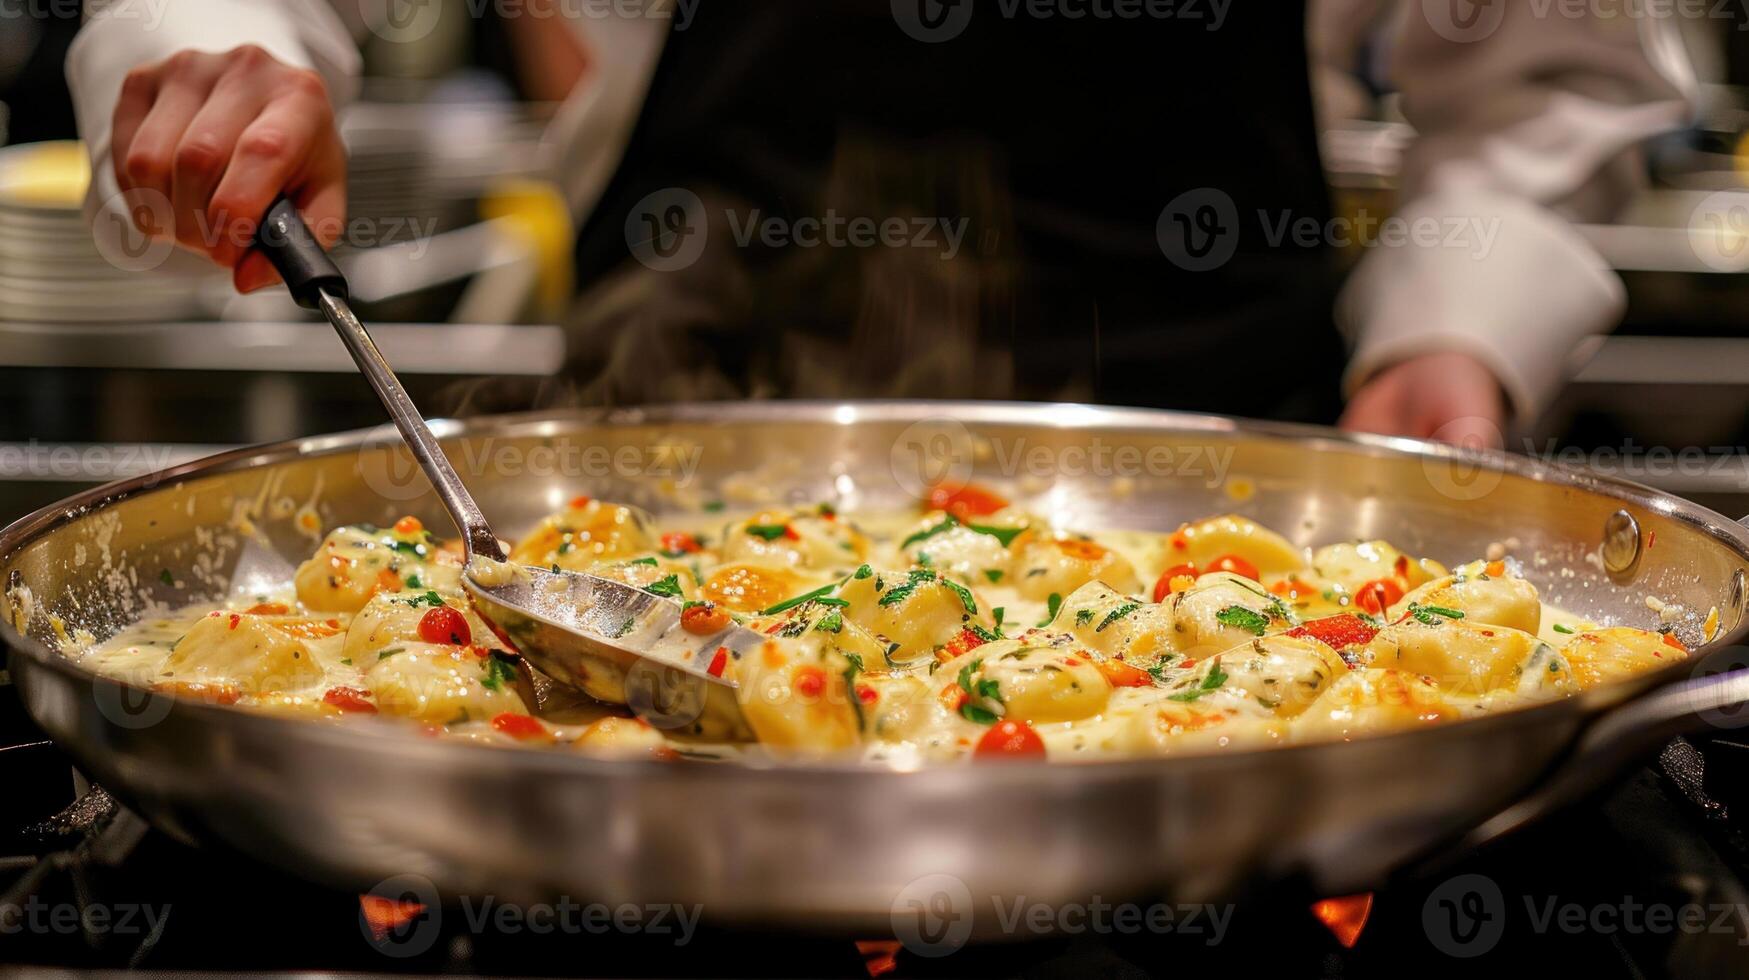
[840,845]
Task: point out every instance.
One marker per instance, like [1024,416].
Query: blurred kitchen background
[446,146]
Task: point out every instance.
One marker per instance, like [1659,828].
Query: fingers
[205,151]
[149,160]
[138,90]
[287,147]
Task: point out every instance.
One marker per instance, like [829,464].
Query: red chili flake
[866,694]
[235,620]
[718,662]
[350,699]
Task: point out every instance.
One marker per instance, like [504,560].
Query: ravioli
[969,629]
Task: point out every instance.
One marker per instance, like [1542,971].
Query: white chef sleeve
[1528,118]
[119,36]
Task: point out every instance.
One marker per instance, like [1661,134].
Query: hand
[220,136]
[1449,397]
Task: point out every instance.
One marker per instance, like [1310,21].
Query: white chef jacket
[1527,117]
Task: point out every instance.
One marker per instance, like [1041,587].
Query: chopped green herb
[1116,614]
[712,506]
[831,600]
[947,523]
[164,576]
[428,598]
[415,582]
[1238,617]
[1052,604]
[1006,535]
[346,660]
[565,547]
[1561,628]
[669,587]
[795,601]
[965,594]
[646,560]
[1084,617]
[1210,682]
[832,622]
[983,634]
[999,612]
[1430,615]
[993,574]
[391,651]
[769,532]
[862,573]
[498,671]
[984,689]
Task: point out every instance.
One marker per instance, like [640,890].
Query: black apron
[1117,185]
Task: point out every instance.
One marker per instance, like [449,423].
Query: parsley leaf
[947,523]
[668,587]
[1006,535]
[832,622]
[1211,681]
[429,598]
[993,574]
[965,595]
[769,532]
[164,576]
[862,573]
[498,671]
[1084,617]
[1054,603]
[1561,628]
[1116,614]
[795,601]
[1430,615]
[646,560]
[1249,620]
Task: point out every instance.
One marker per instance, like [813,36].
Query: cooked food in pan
[975,630]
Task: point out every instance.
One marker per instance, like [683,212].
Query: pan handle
[300,260]
[1717,698]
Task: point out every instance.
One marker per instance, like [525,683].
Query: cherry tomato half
[1163,587]
[704,619]
[521,727]
[1010,739]
[350,699]
[444,625]
[1338,632]
[1238,566]
[965,502]
[1378,595]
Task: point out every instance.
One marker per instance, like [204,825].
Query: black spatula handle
[301,260]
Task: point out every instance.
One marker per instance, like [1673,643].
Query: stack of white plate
[50,270]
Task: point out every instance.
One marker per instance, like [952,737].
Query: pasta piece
[1204,541]
[916,611]
[585,532]
[1353,564]
[795,690]
[1495,600]
[662,576]
[1370,701]
[1600,656]
[1281,674]
[623,738]
[1173,728]
[979,552]
[1461,658]
[1115,625]
[1221,611]
[243,651]
[389,619]
[1026,680]
[1058,565]
[441,685]
[356,562]
[802,539]
[751,588]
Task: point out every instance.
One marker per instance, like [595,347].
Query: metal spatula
[614,641]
